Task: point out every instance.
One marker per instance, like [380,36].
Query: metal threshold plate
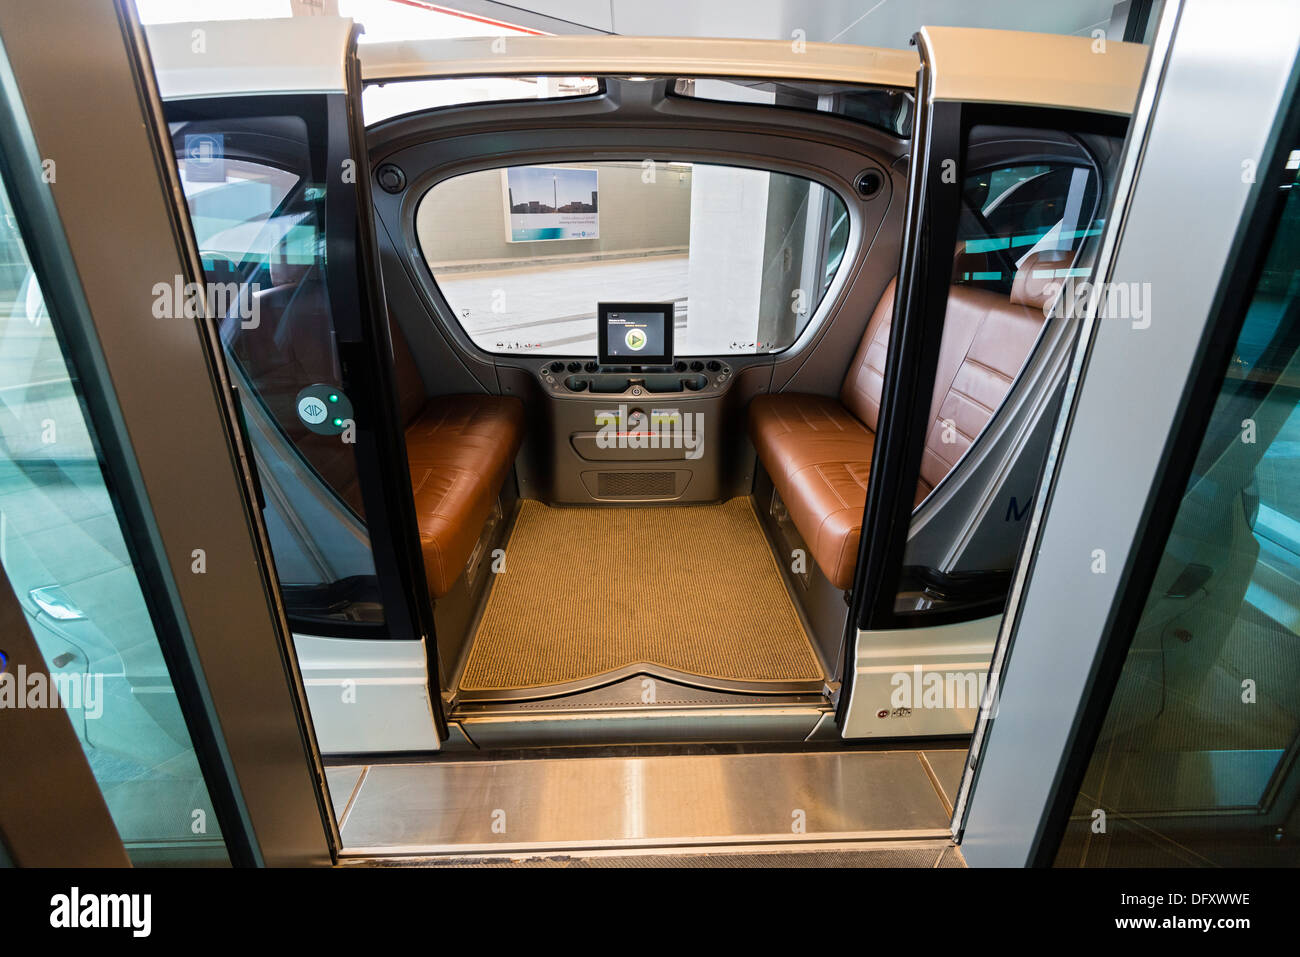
[860,854]
[639,802]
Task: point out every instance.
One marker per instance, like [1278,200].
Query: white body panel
[920,681]
[367,695]
[233,57]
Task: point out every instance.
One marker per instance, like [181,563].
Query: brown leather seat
[817,449]
[460,449]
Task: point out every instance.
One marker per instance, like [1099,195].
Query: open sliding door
[277,184]
[1010,184]
[129,529]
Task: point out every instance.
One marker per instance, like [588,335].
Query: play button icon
[635,339]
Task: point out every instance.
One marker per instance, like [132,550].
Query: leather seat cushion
[818,449]
[460,449]
[819,458]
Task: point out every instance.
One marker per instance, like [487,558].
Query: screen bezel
[602,333]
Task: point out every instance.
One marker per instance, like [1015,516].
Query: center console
[636,424]
[602,435]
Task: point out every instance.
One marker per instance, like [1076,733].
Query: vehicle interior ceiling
[589,523]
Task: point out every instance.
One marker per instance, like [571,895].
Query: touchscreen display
[636,333]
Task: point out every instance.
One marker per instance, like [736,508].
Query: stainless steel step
[451,805]
[921,854]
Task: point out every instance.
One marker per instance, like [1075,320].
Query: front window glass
[524,254]
[882,107]
[230,214]
[383,101]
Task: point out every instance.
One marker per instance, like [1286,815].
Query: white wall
[725,280]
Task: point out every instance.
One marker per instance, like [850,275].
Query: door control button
[312,410]
[324,409]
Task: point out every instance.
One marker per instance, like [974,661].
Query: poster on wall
[550,202]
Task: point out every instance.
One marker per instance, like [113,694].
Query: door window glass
[64,554]
[1010,211]
[1195,763]
[1030,201]
[256,194]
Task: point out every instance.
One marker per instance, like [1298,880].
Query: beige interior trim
[652,56]
[1034,69]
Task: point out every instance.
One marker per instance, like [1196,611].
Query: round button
[312,410]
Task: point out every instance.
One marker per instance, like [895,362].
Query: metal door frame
[159,402]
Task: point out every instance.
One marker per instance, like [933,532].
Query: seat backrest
[986,339]
[861,390]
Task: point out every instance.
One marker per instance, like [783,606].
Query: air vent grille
[634,485]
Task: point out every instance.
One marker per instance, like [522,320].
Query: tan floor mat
[587,591]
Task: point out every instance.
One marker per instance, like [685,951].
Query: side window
[1028,217]
[383,101]
[256,193]
[1011,211]
[230,212]
[885,108]
[1195,761]
[746,255]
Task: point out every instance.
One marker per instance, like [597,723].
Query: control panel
[578,377]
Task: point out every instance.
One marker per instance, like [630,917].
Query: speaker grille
[634,485]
